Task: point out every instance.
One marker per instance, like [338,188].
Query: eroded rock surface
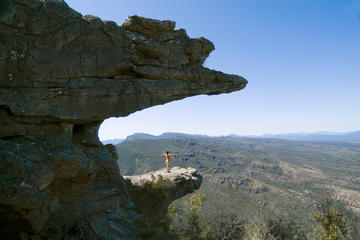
[61,75]
[163,187]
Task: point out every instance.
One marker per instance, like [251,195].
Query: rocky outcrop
[153,192]
[61,75]
[58,65]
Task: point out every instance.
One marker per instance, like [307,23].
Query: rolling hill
[252,176]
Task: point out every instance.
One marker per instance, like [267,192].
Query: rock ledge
[176,176]
[153,192]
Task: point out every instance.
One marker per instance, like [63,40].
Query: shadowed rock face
[61,75]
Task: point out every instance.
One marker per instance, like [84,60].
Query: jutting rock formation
[61,75]
[163,187]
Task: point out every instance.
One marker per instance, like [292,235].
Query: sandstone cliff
[61,75]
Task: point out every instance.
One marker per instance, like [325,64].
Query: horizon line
[240,135]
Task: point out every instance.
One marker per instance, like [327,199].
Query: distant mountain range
[138,136]
[349,137]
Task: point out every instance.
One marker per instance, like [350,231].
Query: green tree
[194,205]
[332,224]
[184,218]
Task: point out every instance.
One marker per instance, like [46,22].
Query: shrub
[332,224]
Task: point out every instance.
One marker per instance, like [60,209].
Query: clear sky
[301,58]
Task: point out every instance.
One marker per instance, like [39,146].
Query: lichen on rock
[61,75]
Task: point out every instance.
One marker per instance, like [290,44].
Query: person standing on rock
[167,160]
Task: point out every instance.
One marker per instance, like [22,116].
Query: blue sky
[301,58]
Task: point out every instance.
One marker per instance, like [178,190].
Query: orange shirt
[167,157]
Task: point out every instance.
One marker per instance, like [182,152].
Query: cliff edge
[153,192]
[61,75]
[163,188]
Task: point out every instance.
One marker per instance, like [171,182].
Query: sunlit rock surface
[61,75]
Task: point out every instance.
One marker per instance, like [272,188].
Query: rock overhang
[167,186]
[82,69]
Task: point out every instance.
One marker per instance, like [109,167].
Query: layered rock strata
[61,75]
